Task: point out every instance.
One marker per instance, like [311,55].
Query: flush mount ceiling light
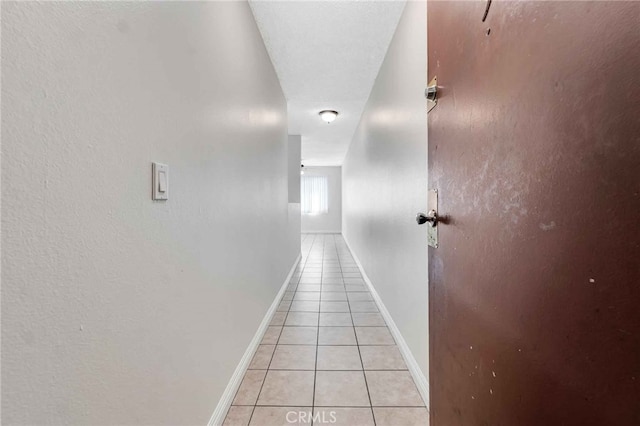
[328,115]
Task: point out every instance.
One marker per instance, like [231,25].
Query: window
[313,195]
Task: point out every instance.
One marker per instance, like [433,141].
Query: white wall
[295,153]
[331,221]
[294,156]
[385,183]
[117,309]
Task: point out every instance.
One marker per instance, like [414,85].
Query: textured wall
[117,309]
[295,150]
[295,221]
[385,183]
[332,221]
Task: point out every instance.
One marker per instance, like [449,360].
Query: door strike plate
[432,205]
[431,93]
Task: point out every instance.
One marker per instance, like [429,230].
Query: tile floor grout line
[315,372]
[274,352]
[315,365]
[361,362]
[266,371]
[334,258]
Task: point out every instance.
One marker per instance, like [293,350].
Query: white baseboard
[217,418]
[412,365]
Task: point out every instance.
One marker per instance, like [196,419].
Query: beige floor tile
[393,388]
[298,336]
[363,306]
[334,319]
[355,288]
[305,306]
[309,287]
[363,296]
[330,291]
[368,319]
[302,319]
[336,336]
[271,335]
[284,306]
[338,358]
[326,288]
[374,336]
[278,318]
[340,416]
[404,416]
[334,306]
[294,357]
[250,387]
[287,388]
[310,281]
[382,358]
[352,278]
[341,389]
[262,357]
[336,296]
[238,416]
[281,416]
[307,295]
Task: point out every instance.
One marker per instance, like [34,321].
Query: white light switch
[160,181]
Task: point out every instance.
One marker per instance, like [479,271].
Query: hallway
[257,212]
[327,351]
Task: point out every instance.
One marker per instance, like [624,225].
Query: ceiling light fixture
[328,115]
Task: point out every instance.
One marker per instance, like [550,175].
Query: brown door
[534,147]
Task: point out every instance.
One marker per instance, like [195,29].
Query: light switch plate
[160,181]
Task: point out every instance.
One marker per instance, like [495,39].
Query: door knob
[431,217]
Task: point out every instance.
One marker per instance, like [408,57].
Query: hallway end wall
[330,222]
[117,309]
[385,184]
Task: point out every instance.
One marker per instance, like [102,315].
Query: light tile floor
[327,354]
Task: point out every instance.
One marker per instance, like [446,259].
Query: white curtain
[313,197]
